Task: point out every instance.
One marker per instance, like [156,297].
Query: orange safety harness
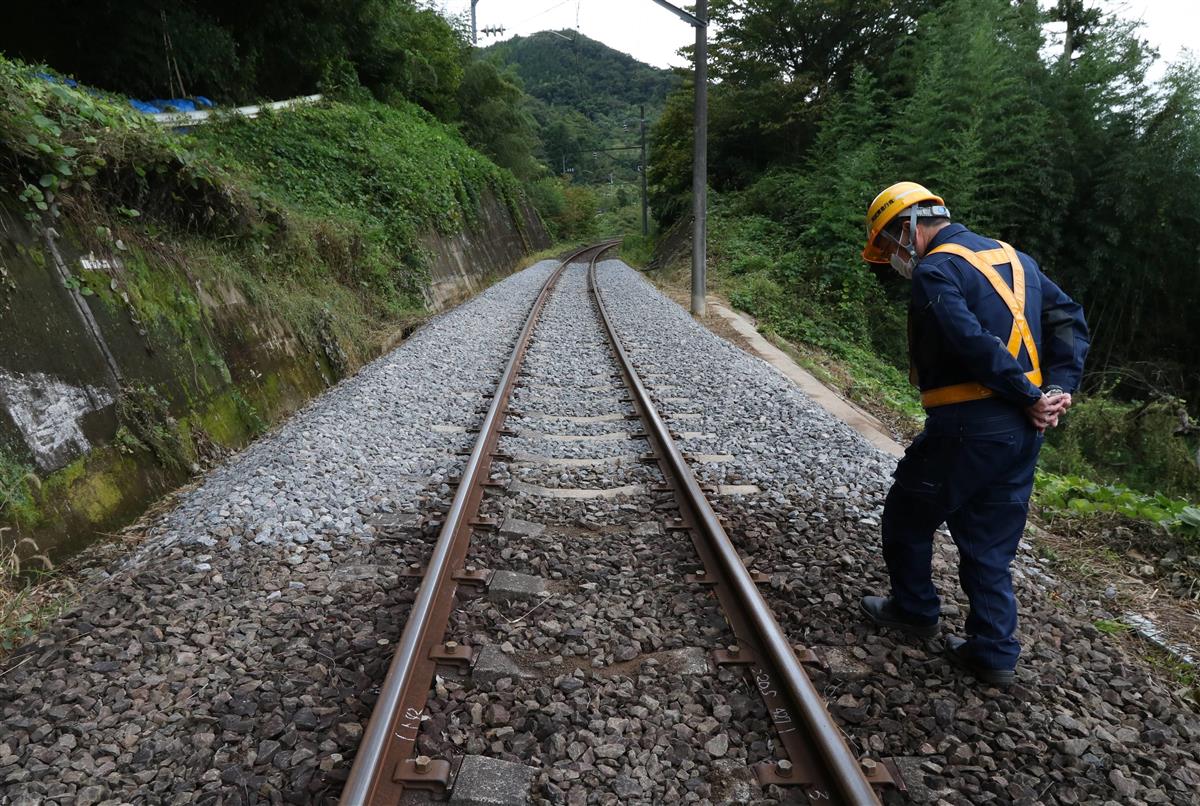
[985,262]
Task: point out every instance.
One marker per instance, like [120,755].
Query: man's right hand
[1045,413]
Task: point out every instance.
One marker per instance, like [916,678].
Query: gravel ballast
[1085,724]
[234,658]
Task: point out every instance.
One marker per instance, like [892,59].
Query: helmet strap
[912,235]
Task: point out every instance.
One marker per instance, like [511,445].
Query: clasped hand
[1045,413]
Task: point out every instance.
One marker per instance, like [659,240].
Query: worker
[996,349]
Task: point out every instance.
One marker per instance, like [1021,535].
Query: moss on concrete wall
[167,298]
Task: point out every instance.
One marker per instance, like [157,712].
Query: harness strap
[985,262]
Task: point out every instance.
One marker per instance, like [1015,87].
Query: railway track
[801,754]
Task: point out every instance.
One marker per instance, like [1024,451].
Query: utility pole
[645,202]
[699,21]
[700,168]
[474,32]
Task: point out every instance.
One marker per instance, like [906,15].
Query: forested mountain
[586,99]
[567,69]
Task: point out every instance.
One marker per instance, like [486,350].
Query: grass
[637,250]
[1185,675]
[17,483]
[32,594]
[363,181]
[1110,627]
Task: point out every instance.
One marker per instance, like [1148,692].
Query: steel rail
[807,709]
[410,672]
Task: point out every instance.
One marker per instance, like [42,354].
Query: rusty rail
[818,758]
[384,767]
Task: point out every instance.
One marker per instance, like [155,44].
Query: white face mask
[903,263]
[904,259]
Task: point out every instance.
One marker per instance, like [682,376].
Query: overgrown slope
[169,296]
[370,177]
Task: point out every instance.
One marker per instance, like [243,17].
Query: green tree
[403,50]
[777,62]
[567,69]
[824,206]
[669,175]
[1147,300]
[494,119]
[978,128]
[238,52]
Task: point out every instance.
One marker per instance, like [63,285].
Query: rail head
[366,774]
[843,768]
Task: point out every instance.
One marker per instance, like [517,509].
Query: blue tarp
[171,104]
[70,82]
[174,105]
[146,107]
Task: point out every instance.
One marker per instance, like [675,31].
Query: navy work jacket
[959,329]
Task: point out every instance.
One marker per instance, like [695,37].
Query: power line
[544,11]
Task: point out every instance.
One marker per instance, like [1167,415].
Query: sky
[654,35]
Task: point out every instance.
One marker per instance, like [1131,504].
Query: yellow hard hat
[886,206]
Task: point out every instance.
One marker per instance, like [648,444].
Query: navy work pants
[975,475]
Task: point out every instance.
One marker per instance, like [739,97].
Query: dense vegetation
[239,52]
[586,99]
[365,178]
[376,175]
[391,51]
[1054,142]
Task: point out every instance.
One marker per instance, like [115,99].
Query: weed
[1110,627]
[249,413]
[146,423]
[637,250]
[1075,496]
[1142,446]
[28,602]
[1185,675]
[17,485]
[1046,552]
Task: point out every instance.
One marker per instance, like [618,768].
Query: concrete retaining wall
[110,408]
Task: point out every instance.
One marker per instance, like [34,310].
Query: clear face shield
[901,248]
[901,245]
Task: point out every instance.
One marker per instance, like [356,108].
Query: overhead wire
[547,11]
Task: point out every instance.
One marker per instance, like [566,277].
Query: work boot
[883,612]
[960,657]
